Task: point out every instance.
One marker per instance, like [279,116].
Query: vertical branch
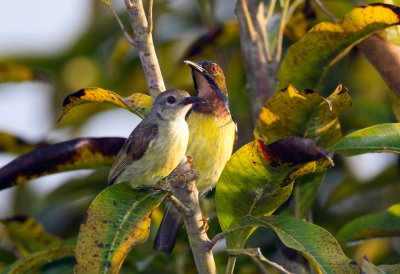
[182,181]
[143,41]
[255,49]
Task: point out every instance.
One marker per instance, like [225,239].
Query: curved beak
[192,100]
[195,66]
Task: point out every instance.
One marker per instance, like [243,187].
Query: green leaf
[307,60]
[258,178]
[378,138]
[138,103]
[305,192]
[384,224]
[26,264]
[10,72]
[305,113]
[75,154]
[28,235]
[369,268]
[16,144]
[316,244]
[117,220]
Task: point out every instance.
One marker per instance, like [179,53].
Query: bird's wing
[135,147]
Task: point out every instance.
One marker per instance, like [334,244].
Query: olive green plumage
[158,143]
[211,140]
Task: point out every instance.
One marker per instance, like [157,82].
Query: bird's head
[209,83]
[174,104]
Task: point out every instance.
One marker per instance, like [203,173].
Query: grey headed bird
[158,143]
[212,137]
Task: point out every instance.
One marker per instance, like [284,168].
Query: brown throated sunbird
[211,140]
[158,143]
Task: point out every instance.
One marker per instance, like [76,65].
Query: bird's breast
[210,145]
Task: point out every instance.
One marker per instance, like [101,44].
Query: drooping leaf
[316,244]
[28,235]
[10,72]
[369,268]
[117,220]
[305,113]
[305,192]
[378,138]
[259,178]
[385,224]
[39,258]
[138,103]
[15,144]
[307,60]
[70,155]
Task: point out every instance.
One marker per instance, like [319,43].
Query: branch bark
[183,183]
[143,41]
[255,49]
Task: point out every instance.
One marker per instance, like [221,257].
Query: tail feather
[168,230]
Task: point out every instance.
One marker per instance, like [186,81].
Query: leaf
[138,103]
[305,192]
[16,144]
[305,113]
[28,235]
[45,256]
[378,138]
[369,268]
[70,155]
[10,72]
[307,60]
[316,244]
[258,178]
[384,224]
[117,220]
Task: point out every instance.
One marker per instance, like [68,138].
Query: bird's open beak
[195,66]
[192,100]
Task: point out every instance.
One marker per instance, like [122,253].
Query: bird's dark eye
[171,99]
[213,68]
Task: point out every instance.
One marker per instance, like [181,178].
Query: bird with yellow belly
[212,137]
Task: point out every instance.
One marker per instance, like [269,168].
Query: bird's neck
[215,105]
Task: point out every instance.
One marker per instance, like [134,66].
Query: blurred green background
[49,49]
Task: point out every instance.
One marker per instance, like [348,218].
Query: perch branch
[143,41]
[183,183]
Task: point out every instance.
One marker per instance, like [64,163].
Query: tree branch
[143,41]
[255,49]
[182,181]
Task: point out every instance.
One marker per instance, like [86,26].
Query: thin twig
[121,25]
[256,252]
[325,11]
[249,23]
[222,235]
[282,25]
[150,17]
[260,265]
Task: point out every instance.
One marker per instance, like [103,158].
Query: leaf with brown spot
[138,103]
[70,155]
[258,179]
[307,60]
[28,235]
[116,221]
[305,114]
[316,244]
[15,144]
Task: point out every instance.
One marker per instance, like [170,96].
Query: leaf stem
[325,11]
[222,235]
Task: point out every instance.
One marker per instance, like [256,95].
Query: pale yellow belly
[210,145]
